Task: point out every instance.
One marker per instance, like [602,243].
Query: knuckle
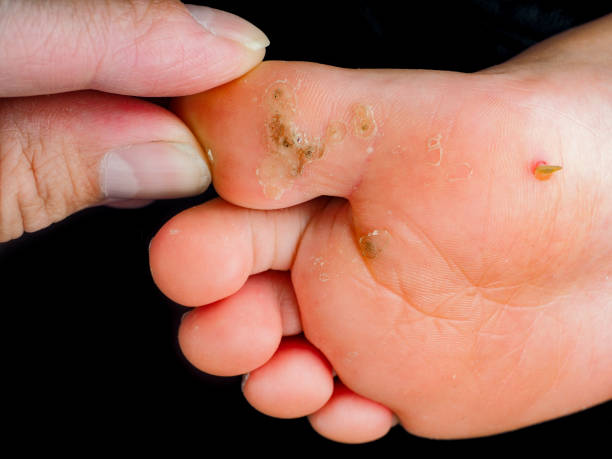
[25,199]
[37,180]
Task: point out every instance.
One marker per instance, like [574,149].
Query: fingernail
[155,170]
[230,26]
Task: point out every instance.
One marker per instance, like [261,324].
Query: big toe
[290,131]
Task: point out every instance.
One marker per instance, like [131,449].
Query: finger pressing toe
[295,382]
[281,283]
[351,418]
[237,334]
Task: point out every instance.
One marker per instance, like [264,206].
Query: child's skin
[443,281]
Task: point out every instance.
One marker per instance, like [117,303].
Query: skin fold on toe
[445,279]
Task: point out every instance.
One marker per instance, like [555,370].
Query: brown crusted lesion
[372,244]
[288,148]
[278,131]
[281,96]
[308,154]
[367,247]
[286,142]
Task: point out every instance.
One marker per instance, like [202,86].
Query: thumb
[65,152]
[136,47]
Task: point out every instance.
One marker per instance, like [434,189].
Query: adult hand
[62,148]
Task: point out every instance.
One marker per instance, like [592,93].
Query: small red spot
[535,164]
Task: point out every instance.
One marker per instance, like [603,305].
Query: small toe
[350,418]
[237,334]
[295,382]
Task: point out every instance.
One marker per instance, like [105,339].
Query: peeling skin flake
[372,244]
[364,125]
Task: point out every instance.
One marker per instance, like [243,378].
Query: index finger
[138,47]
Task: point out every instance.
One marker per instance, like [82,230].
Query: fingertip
[156,49]
[153,170]
[228,25]
[226,46]
[201,55]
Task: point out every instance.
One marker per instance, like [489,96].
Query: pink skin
[438,278]
[272,388]
[350,418]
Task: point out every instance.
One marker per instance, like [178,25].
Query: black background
[90,353]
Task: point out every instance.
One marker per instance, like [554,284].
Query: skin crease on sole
[445,279]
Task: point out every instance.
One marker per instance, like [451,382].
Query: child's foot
[448,280]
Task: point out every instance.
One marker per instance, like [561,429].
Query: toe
[288,132]
[237,334]
[206,253]
[351,418]
[295,382]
